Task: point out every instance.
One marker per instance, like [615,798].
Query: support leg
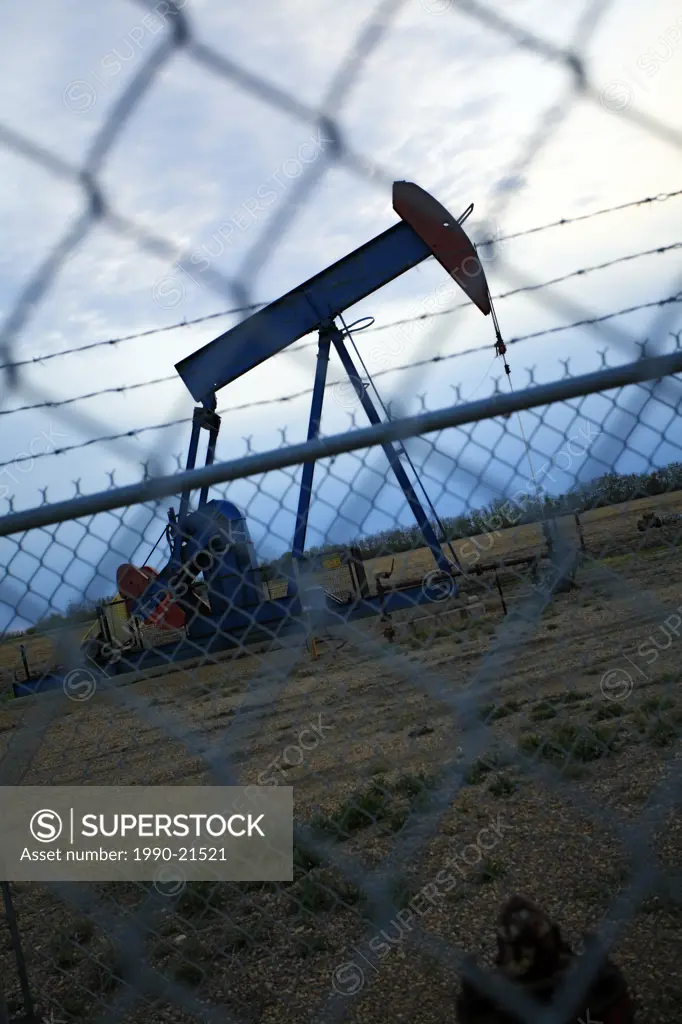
[184,500]
[392,456]
[313,431]
[210,457]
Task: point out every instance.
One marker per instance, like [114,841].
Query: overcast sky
[213,167]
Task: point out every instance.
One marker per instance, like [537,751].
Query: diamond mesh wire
[514,727]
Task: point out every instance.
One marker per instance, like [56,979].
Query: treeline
[503,513]
[76,612]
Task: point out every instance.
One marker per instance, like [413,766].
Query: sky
[248,188]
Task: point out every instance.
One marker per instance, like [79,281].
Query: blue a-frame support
[392,455]
[205,417]
[305,494]
[426,229]
[330,334]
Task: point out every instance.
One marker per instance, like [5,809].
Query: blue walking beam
[426,229]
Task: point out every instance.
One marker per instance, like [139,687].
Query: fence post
[19,957]
[4,1012]
[579,528]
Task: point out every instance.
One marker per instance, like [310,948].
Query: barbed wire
[582,272]
[260,403]
[643,370]
[208,317]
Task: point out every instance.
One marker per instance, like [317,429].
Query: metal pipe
[24,661]
[18,951]
[154,489]
[210,458]
[185,496]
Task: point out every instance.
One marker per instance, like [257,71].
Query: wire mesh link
[510,725]
[494,723]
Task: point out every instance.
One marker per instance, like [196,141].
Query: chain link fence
[452,738]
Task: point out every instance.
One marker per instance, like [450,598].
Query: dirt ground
[581,738]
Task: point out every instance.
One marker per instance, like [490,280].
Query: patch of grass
[478,771]
[402,892]
[412,786]
[541,712]
[653,704]
[672,675]
[322,891]
[105,972]
[431,965]
[575,697]
[201,898]
[567,743]
[489,871]
[653,726]
[313,897]
[590,892]
[530,743]
[235,936]
[508,708]
[185,969]
[651,905]
[597,743]
[66,955]
[304,861]
[72,1006]
[81,931]
[493,712]
[465,803]
[396,819]
[502,786]
[362,809]
[606,711]
[308,945]
[561,699]
[68,943]
[662,733]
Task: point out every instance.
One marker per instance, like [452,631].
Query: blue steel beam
[185,496]
[306,490]
[302,310]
